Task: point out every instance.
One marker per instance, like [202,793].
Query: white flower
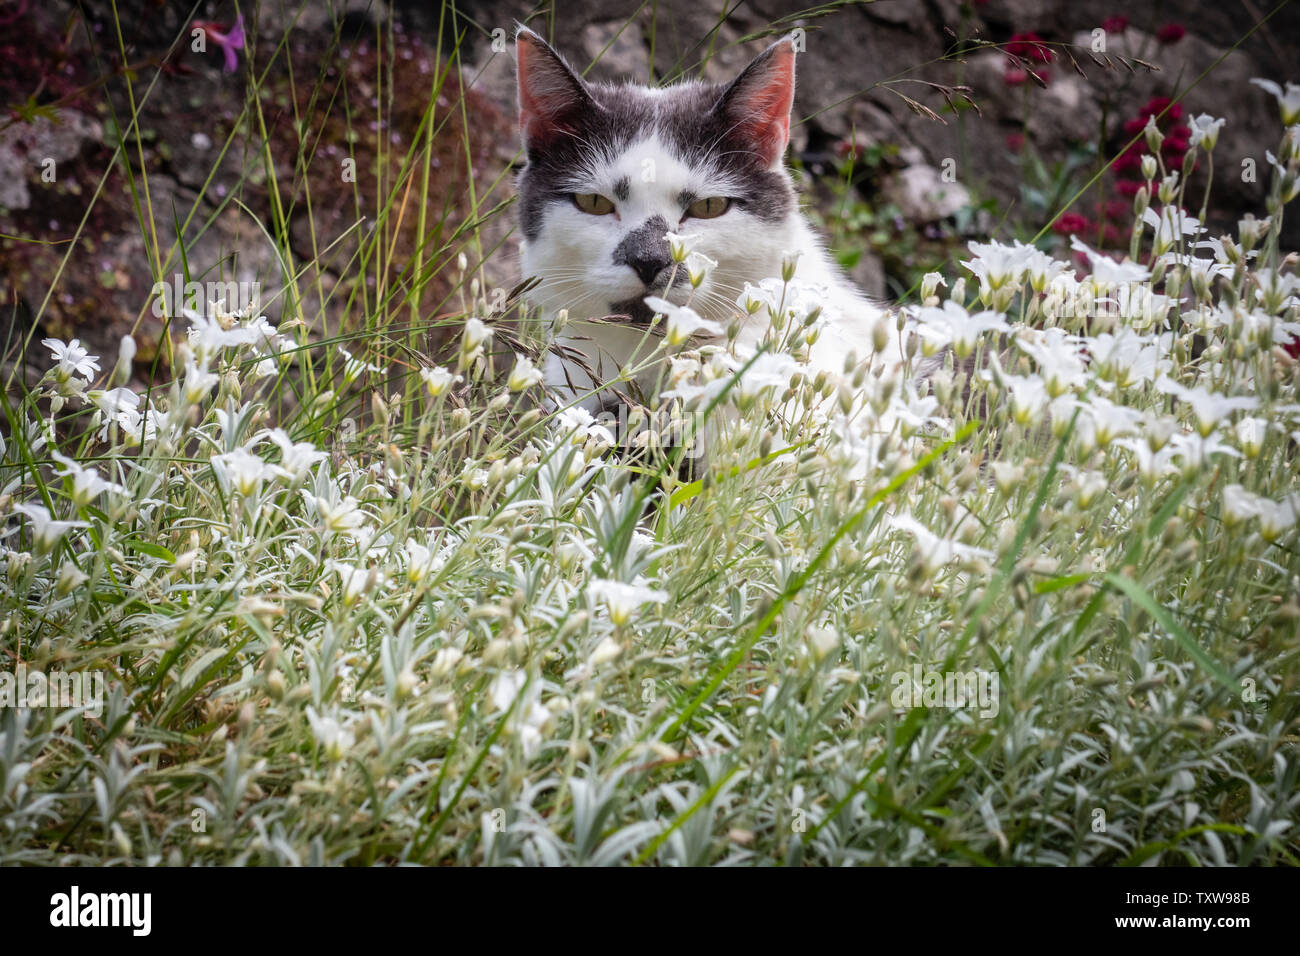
[296,458]
[1210,408]
[769,370]
[930,283]
[419,560]
[72,359]
[1239,505]
[822,641]
[623,600]
[115,401]
[1129,359]
[208,336]
[578,424]
[242,470]
[1103,421]
[953,324]
[936,552]
[1152,464]
[765,294]
[1276,517]
[698,266]
[1288,101]
[356,580]
[1195,450]
[997,264]
[683,321]
[1170,225]
[529,718]
[915,413]
[789,263]
[445,661]
[1088,486]
[86,483]
[524,374]
[1106,271]
[330,734]
[353,366]
[46,530]
[198,380]
[438,380]
[1008,476]
[1059,358]
[476,334]
[680,246]
[607,650]
[337,515]
[1028,397]
[1290,183]
[1250,435]
[1205,129]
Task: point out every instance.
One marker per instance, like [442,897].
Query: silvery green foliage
[476,634]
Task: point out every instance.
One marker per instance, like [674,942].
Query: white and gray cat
[612,168]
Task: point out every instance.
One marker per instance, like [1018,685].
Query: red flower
[1118,210]
[1180,131]
[1134,126]
[1171,33]
[1015,142]
[1031,47]
[1014,76]
[1156,105]
[1111,235]
[1129,159]
[1128,187]
[1070,223]
[1115,24]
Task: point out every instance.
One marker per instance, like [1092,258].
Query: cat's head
[612,168]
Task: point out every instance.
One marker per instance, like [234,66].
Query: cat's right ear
[552,97]
[756,106]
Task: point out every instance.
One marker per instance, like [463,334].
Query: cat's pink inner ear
[549,93]
[764,100]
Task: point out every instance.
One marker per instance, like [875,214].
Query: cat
[610,169]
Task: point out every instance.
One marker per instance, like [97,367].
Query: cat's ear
[756,106]
[552,97]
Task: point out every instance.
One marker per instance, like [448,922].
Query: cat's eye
[710,207]
[593,204]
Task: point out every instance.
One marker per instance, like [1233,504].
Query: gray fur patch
[645,250]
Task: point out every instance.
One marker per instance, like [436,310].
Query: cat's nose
[648,268]
[645,251]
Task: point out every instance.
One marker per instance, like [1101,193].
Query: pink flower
[1118,210]
[1128,187]
[1031,47]
[1171,33]
[230,42]
[1115,24]
[1156,105]
[1015,142]
[1070,223]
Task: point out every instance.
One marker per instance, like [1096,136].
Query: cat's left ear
[756,106]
